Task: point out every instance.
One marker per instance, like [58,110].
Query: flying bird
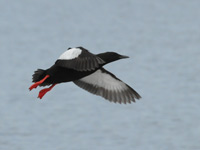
[86,71]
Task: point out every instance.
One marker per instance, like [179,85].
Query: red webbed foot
[35,85]
[44,91]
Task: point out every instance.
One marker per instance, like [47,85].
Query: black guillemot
[86,71]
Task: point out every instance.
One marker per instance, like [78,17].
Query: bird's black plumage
[86,70]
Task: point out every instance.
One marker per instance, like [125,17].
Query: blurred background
[162,39]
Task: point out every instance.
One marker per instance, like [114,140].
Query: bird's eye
[69,48]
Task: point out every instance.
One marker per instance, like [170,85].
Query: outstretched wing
[107,85]
[79,59]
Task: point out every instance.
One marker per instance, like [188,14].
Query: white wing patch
[70,54]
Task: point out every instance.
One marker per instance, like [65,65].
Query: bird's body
[86,70]
[58,75]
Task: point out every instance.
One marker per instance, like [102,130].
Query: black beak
[123,56]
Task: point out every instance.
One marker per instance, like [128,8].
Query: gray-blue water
[162,39]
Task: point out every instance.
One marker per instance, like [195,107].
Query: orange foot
[38,83]
[44,91]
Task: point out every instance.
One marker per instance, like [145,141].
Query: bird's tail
[38,75]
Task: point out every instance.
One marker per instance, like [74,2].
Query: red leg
[38,83]
[44,91]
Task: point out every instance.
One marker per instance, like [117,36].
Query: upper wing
[107,85]
[79,59]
